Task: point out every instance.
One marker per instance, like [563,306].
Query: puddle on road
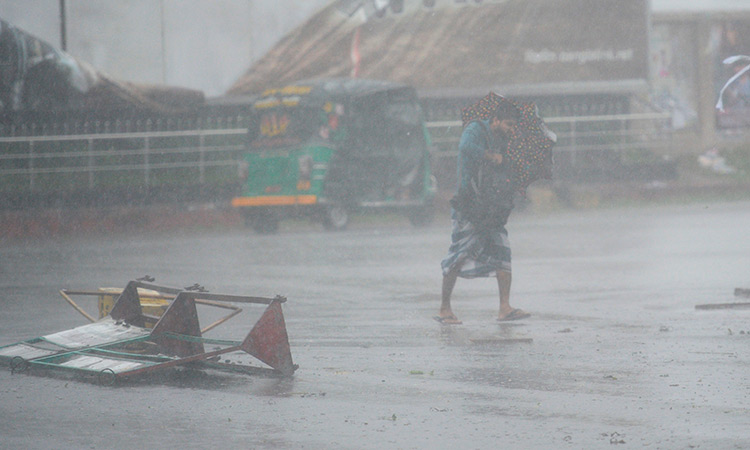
[500,341]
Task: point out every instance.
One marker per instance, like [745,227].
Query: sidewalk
[542,196]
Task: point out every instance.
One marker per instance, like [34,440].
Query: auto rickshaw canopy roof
[316,92]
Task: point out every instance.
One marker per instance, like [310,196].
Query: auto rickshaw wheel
[335,218]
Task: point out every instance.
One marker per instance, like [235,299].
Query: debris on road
[737,305]
[121,344]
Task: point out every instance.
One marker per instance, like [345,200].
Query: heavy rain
[237,224]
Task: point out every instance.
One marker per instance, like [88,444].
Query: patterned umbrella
[529,143]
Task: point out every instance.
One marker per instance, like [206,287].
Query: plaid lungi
[479,253]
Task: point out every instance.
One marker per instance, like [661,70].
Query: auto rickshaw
[329,147]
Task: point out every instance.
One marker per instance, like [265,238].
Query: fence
[591,148]
[119,161]
[583,133]
[587,146]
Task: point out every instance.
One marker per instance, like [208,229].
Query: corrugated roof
[465,46]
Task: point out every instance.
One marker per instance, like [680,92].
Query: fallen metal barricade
[122,345]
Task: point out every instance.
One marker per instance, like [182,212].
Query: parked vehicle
[326,148]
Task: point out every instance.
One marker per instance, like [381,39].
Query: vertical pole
[91,163]
[147,161]
[670,145]
[573,142]
[63,26]
[163,47]
[31,165]
[706,88]
[202,142]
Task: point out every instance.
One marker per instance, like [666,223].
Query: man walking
[479,240]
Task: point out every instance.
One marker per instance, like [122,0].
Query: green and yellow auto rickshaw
[327,148]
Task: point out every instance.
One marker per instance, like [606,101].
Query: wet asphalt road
[615,353]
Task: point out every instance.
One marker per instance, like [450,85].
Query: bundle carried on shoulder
[488,200]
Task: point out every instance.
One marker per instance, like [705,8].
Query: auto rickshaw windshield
[284,127]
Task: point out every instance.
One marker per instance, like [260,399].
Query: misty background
[204,45]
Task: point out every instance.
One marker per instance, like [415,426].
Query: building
[572,57]
[689,41]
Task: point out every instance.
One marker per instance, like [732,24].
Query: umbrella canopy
[529,144]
